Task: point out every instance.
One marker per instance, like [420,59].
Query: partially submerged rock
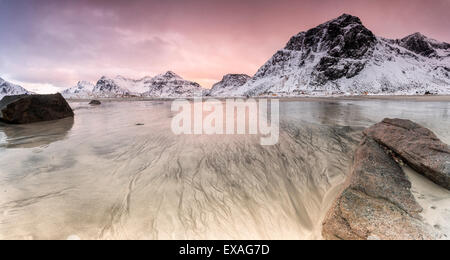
[357,216]
[95,102]
[377,202]
[25,109]
[377,174]
[417,146]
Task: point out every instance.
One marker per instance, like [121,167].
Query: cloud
[58,42]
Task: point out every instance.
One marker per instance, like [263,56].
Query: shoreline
[415,98]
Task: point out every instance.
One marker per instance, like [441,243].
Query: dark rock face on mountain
[417,44]
[228,83]
[422,45]
[24,109]
[341,38]
[417,146]
[342,56]
[377,202]
[344,37]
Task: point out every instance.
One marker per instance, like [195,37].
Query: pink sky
[49,45]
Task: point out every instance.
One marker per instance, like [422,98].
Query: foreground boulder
[415,145]
[377,203]
[25,109]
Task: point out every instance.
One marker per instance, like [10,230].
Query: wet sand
[435,201]
[102,176]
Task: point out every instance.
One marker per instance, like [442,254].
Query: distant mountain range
[9,89]
[165,85]
[339,57]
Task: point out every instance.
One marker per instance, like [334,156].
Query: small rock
[95,102]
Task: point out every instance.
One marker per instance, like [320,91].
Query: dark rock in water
[417,146]
[25,109]
[378,203]
[95,102]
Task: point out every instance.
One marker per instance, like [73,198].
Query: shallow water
[102,176]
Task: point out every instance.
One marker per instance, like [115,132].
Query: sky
[49,45]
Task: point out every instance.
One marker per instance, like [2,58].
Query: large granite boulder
[24,109]
[415,145]
[377,202]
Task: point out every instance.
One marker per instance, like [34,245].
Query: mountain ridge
[343,57]
[10,89]
[168,84]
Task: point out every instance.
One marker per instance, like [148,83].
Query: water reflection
[107,178]
[35,135]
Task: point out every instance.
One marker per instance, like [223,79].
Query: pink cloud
[60,42]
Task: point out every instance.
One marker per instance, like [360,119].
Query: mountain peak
[228,83]
[171,74]
[347,19]
[420,44]
[343,56]
[417,35]
[343,37]
[235,76]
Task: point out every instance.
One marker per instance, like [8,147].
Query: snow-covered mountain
[342,56]
[168,84]
[228,84]
[134,86]
[83,89]
[9,89]
[108,88]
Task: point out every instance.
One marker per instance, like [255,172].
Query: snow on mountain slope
[344,57]
[134,86]
[108,88]
[228,84]
[170,84]
[83,89]
[9,89]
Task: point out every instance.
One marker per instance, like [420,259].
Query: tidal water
[117,171]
